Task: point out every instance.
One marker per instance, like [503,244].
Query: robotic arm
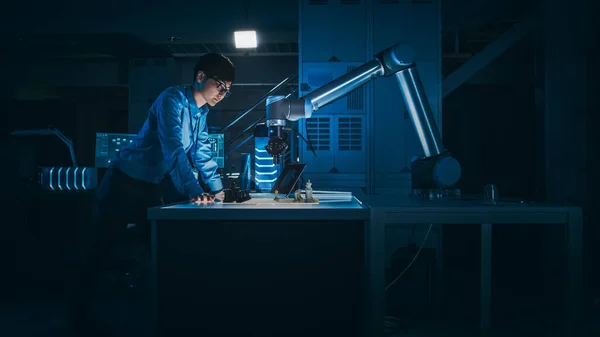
[435,170]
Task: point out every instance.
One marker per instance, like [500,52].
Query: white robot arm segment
[437,169]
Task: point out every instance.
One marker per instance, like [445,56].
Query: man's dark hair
[215,65]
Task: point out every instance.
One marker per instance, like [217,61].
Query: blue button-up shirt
[175,125]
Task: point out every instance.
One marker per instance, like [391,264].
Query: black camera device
[234,194]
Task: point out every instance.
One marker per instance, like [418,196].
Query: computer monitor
[288,179]
[217,146]
[109,144]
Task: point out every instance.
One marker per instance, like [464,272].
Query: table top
[263,207]
[406,210]
[466,210]
[464,205]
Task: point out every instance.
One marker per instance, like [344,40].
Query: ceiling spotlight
[245,39]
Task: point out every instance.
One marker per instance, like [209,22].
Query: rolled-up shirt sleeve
[205,164]
[168,113]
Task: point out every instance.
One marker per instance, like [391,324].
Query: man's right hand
[204,199]
[220,196]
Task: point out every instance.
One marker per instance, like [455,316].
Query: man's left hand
[204,199]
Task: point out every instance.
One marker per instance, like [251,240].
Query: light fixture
[245,39]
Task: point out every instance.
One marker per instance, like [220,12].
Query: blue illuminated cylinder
[60,179]
[245,171]
[265,171]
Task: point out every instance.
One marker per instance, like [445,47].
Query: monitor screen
[217,147]
[109,144]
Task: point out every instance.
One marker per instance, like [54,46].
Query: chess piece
[309,191]
[298,196]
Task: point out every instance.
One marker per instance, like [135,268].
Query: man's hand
[204,199]
[220,196]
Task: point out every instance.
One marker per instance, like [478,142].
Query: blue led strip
[75,178]
[265,171]
[67,178]
[50,178]
[83,178]
[58,178]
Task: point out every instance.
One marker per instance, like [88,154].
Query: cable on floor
[393,324]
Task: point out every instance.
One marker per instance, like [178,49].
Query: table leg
[376,260]
[154,277]
[486,276]
[573,282]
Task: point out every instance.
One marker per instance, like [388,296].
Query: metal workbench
[260,268]
[263,207]
[383,212]
[387,212]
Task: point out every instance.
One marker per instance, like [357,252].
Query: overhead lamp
[245,39]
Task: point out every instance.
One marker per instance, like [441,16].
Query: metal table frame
[351,209]
[386,217]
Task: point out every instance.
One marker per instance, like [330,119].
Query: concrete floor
[129,313]
[46,318]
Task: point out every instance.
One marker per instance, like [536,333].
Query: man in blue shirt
[170,152]
[174,138]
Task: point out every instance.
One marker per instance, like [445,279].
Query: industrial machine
[433,174]
[50,178]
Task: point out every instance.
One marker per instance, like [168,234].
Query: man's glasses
[221,86]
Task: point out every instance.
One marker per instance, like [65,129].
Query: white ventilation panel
[318,131]
[350,146]
[350,134]
[338,141]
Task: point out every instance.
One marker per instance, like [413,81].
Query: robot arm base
[435,172]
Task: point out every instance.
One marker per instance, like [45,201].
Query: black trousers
[120,201]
